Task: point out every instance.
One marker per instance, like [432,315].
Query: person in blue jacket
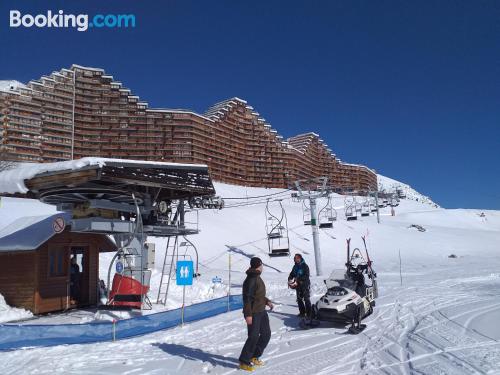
[299,279]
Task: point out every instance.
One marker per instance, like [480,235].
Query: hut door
[79,274]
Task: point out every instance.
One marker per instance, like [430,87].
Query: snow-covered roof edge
[12,180]
[11,85]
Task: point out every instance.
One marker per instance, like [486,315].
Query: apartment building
[83,111]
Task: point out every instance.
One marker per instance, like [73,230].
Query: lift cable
[258,196]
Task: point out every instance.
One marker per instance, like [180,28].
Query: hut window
[57,262]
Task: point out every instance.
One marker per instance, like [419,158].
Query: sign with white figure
[184,275]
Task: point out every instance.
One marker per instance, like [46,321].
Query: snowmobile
[349,298]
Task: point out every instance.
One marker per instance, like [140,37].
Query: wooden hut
[35,264]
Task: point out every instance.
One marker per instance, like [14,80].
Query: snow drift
[8,313]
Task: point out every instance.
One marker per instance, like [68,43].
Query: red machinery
[127,291]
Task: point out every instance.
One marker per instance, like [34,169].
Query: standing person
[254,311]
[74,281]
[299,278]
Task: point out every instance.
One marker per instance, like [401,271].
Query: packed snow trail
[428,326]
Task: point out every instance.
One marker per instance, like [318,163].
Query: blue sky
[411,89]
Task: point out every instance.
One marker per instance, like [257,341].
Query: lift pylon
[311,190]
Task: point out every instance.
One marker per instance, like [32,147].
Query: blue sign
[184,274]
[119,267]
[216,280]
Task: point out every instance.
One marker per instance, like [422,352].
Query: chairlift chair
[326,216]
[365,209]
[381,203]
[350,208]
[350,213]
[326,224]
[401,194]
[275,234]
[277,231]
[334,215]
[306,213]
[393,202]
[279,247]
[190,251]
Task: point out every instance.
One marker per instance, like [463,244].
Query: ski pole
[366,251]
[348,250]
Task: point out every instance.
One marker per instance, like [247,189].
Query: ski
[356,330]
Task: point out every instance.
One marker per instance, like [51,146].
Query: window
[58,262]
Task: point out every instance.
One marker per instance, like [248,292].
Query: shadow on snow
[198,355]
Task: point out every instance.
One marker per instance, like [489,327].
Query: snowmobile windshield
[337,291]
[337,275]
[342,279]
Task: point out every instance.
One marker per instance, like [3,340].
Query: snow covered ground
[8,313]
[442,319]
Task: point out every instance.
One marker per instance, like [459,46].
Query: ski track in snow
[404,336]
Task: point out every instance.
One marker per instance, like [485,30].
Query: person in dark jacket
[74,281]
[254,311]
[299,279]
[356,273]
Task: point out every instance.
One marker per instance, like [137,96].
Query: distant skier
[254,311]
[299,280]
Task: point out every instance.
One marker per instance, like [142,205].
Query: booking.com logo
[79,21]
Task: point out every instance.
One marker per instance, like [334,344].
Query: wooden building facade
[39,279]
[82,111]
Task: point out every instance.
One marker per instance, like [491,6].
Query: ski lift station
[98,199]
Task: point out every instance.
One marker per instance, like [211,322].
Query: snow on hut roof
[12,181]
[29,233]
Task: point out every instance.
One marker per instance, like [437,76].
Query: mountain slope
[389,185]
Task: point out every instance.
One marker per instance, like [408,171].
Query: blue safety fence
[16,336]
